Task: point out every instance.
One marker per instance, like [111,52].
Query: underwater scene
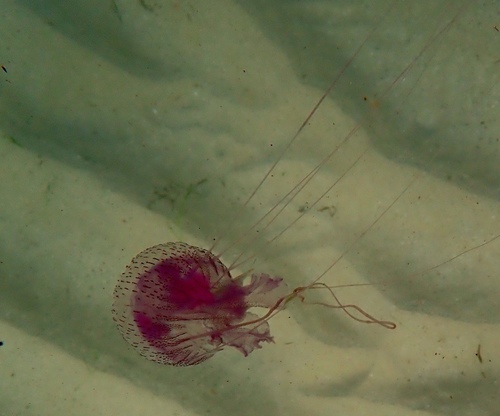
[248,208]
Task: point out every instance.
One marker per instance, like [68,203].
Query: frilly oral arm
[264,290]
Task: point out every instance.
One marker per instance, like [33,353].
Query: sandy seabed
[128,124]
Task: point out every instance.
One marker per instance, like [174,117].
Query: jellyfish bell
[178,304]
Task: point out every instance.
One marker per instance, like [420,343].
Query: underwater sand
[125,125]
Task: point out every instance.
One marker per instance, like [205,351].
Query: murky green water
[128,124]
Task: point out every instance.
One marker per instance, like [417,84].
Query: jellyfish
[177,304]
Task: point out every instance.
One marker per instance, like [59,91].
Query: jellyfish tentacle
[370,319]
